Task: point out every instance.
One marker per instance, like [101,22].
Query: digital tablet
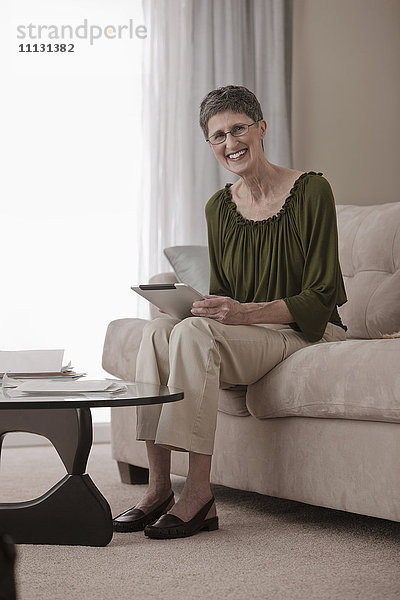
[175,299]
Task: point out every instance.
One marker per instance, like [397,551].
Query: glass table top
[136,394]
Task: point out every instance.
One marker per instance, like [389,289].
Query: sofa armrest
[121,346]
[123,338]
[167,277]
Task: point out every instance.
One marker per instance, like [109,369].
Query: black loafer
[171,526]
[135,519]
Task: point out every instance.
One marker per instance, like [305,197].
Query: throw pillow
[191,265]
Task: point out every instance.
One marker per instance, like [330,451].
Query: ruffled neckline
[249,222]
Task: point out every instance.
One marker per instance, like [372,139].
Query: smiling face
[239,155]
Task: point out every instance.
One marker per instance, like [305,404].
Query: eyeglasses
[237,131]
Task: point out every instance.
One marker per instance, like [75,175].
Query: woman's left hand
[221,308]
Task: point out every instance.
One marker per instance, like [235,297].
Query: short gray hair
[235,98]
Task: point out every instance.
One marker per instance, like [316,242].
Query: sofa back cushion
[369,252]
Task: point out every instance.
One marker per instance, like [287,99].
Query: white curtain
[194,46]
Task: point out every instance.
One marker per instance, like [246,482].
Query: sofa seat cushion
[352,379]
[232,401]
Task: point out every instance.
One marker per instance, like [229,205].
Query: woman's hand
[221,308]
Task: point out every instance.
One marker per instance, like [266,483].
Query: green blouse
[291,256]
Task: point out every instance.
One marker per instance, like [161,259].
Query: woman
[274,288]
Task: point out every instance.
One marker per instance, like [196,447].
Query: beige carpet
[266,548]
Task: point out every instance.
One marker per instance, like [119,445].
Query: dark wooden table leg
[73,512]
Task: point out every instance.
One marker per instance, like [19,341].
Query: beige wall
[346,96]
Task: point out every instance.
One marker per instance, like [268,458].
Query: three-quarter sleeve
[322,286]
[219,284]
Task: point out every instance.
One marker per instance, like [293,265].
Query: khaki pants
[200,355]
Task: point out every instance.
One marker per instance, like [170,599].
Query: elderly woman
[275,286]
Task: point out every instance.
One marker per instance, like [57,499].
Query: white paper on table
[14,382]
[61,387]
[10,382]
[31,361]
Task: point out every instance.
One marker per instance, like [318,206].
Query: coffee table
[72,512]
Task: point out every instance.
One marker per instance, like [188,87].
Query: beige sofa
[323,427]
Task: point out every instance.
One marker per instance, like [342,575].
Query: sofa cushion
[353,379]
[369,253]
[191,265]
[232,401]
